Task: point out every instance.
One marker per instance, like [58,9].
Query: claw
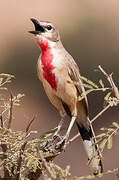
[57,137]
[62,145]
[55,145]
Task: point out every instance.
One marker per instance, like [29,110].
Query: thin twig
[1,119]
[110,80]
[10,110]
[46,166]
[98,115]
[100,175]
[27,128]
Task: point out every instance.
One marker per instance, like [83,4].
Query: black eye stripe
[49,27]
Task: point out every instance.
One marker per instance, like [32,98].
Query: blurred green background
[89,30]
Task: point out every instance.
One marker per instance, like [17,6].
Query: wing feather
[74,74]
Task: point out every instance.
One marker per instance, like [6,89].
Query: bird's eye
[49,27]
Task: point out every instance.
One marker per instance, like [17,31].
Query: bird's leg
[63,142]
[50,143]
[58,143]
[58,128]
[69,128]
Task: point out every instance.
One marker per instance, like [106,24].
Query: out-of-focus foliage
[4,78]
[91,87]
[19,154]
[105,138]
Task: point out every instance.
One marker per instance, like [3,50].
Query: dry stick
[28,127]
[99,114]
[110,80]
[1,120]
[101,174]
[46,166]
[11,107]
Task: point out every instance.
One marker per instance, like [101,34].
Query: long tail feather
[91,149]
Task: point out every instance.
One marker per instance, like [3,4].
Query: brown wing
[74,74]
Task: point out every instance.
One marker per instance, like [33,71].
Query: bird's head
[44,32]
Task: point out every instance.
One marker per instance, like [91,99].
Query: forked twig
[110,80]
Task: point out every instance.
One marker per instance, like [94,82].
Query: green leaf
[102,145]
[103,129]
[4,75]
[89,82]
[101,83]
[48,133]
[110,129]
[3,88]
[1,79]
[115,124]
[109,143]
[107,96]
[87,86]
[100,135]
[84,94]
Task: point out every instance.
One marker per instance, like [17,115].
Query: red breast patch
[46,59]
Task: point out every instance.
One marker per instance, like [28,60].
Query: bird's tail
[87,134]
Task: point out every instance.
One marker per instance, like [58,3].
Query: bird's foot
[53,145]
[61,145]
[57,137]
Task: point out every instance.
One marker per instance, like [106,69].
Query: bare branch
[110,80]
[27,128]
[11,107]
[46,166]
[100,113]
[113,171]
[1,119]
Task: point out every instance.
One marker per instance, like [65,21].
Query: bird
[58,71]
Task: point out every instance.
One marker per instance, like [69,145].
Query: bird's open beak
[38,28]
